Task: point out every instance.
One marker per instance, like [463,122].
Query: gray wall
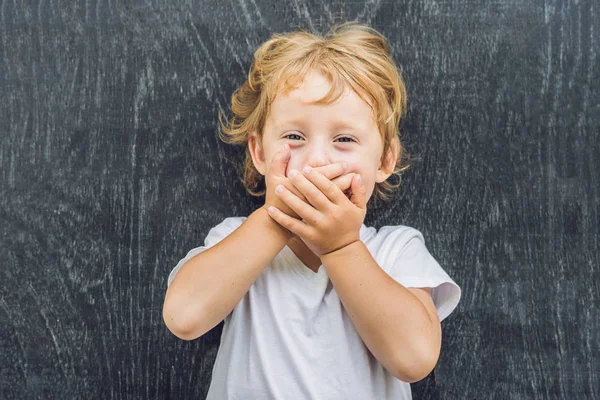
[111,170]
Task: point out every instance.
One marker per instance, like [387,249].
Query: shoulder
[391,239]
[397,232]
[406,258]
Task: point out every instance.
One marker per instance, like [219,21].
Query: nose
[317,155]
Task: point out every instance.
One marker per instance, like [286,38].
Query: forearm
[209,286]
[392,322]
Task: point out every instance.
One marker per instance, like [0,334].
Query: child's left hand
[331,220]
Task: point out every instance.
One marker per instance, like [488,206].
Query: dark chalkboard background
[111,170]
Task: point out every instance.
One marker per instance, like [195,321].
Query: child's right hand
[276,176]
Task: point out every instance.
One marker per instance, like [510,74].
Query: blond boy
[316,305]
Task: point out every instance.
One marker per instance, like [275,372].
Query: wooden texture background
[111,170]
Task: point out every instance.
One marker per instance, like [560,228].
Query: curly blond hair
[350,55]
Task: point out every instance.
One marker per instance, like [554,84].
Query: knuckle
[330,187]
[283,222]
[298,194]
[312,193]
[329,173]
[312,236]
[318,221]
[337,214]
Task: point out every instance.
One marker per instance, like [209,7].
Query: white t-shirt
[290,337]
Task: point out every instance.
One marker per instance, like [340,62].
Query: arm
[209,286]
[400,326]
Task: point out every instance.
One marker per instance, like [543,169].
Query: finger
[311,193]
[344,182]
[293,225]
[325,186]
[304,210]
[334,170]
[331,171]
[359,192]
[281,159]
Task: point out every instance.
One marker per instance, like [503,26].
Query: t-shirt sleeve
[214,236]
[413,266]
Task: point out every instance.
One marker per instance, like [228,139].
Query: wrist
[262,214]
[344,251]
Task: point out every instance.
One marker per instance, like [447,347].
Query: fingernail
[359,179]
[279,189]
[293,173]
[345,166]
[306,169]
[283,147]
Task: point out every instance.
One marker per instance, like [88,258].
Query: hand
[329,220]
[276,176]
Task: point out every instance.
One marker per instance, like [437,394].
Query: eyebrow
[283,124]
[336,124]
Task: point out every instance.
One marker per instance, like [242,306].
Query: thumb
[280,161]
[359,192]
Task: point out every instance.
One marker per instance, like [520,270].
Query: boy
[316,305]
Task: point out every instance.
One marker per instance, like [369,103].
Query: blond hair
[350,55]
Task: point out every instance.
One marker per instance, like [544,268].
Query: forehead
[299,103]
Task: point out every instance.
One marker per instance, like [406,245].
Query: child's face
[321,134]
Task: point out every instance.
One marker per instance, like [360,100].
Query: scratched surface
[111,170]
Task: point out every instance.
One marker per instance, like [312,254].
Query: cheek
[365,172]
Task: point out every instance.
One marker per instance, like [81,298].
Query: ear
[387,167]
[257,153]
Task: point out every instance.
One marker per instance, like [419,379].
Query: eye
[345,139]
[291,134]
